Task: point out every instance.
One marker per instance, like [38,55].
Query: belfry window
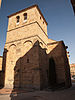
[25,17]
[18,18]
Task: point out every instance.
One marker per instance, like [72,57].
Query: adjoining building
[30,58]
[73,5]
[72,69]
[0,63]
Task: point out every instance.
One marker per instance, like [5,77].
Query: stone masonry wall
[44,64]
[58,53]
[1,62]
[27,63]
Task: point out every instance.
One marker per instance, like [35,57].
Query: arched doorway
[52,72]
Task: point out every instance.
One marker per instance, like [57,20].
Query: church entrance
[52,73]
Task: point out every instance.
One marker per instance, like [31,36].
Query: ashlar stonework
[30,59]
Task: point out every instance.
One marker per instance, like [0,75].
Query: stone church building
[30,58]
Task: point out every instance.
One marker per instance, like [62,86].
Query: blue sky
[58,13]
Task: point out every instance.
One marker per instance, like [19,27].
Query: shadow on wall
[58,59]
[30,69]
[52,69]
[39,70]
[52,72]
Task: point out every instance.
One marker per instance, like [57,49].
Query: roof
[27,9]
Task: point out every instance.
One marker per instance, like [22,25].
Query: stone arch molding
[41,44]
[12,45]
[27,45]
[12,52]
[28,41]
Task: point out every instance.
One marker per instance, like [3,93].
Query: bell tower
[25,27]
[26,23]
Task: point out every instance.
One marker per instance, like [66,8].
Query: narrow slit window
[27,60]
[25,16]
[18,18]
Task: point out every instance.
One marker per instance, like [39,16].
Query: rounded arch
[28,41]
[41,43]
[27,45]
[12,45]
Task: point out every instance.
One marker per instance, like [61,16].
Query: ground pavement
[63,94]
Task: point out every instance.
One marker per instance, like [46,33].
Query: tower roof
[27,9]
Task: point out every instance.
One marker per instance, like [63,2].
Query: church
[30,59]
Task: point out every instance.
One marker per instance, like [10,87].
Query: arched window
[18,18]
[25,17]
